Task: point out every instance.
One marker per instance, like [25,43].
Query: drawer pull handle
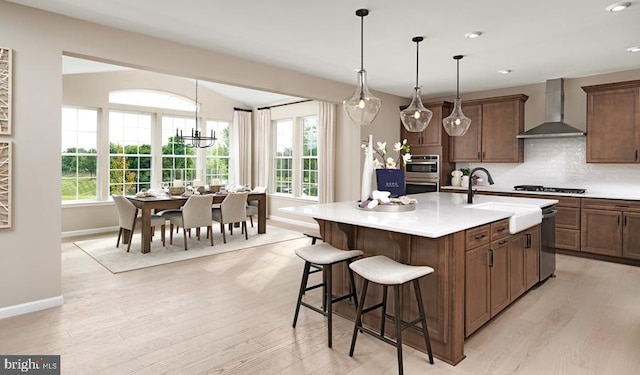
[478,236]
[502,242]
[490,258]
[502,229]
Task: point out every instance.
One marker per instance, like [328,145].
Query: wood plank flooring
[231,314]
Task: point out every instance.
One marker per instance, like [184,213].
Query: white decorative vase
[464,182]
[367,172]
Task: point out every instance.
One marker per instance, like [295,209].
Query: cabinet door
[413,138]
[612,128]
[532,257]
[501,124]
[467,148]
[499,275]
[631,235]
[432,135]
[476,292]
[517,285]
[601,232]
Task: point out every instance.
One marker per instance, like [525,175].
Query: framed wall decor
[5,184]
[5,91]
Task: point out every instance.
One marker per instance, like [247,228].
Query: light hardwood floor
[231,314]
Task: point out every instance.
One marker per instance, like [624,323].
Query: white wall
[30,266]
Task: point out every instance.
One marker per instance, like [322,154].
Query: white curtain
[326,151]
[240,151]
[263,147]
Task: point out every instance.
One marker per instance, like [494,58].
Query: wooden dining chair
[195,213]
[232,210]
[128,219]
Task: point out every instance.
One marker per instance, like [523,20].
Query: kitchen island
[434,234]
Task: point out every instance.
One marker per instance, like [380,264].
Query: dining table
[150,204]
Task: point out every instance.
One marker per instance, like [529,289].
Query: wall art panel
[5,91]
[5,184]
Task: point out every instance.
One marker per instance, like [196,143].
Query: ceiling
[536,39]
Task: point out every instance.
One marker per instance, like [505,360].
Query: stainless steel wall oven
[422,174]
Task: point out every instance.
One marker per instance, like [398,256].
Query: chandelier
[197,139]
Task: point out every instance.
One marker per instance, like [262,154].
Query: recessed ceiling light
[505,71]
[617,7]
[473,34]
[633,49]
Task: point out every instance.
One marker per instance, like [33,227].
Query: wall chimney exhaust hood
[554,126]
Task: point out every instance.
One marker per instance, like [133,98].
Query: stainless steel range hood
[554,126]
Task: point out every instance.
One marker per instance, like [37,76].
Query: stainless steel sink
[523,216]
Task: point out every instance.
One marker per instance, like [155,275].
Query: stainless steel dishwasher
[548,243]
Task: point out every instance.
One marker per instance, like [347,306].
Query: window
[129,152]
[296,157]
[283,163]
[217,164]
[79,154]
[310,157]
[178,160]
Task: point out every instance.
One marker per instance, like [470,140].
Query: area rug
[118,260]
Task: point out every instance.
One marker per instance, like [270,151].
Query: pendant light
[362,107]
[416,117]
[457,123]
[197,139]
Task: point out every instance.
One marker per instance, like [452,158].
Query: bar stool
[324,256]
[314,235]
[386,272]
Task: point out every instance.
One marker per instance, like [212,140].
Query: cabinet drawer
[568,217]
[611,204]
[499,229]
[478,236]
[568,239]
[567,201]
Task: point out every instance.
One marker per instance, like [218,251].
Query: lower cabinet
[611,227]
[499,268]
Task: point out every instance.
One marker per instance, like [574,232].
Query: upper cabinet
[491,138]
[430,139]
[613,122]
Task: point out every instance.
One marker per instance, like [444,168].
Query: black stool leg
[324,289]
[329,298]
[358,323]
[303,285]
[353,287]
[423,316]
[383,316]
[398,313]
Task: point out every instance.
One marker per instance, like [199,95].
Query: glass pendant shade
[362,107]
[416,117]
[457,123]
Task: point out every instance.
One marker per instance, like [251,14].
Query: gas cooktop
[549,189]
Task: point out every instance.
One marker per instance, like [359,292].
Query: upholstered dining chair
[252,207]
[232,210]
[128,219]
[195,213]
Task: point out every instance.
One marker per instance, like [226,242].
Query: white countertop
[631,194]
[436,214]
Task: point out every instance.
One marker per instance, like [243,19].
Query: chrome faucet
[470,191]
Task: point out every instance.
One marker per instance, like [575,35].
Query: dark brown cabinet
[524,261]
[613,122]
[567,220]
[499,275]
[491,138]
[611,227]
[477,284]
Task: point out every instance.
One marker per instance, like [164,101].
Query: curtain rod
[242,109]
[280,105]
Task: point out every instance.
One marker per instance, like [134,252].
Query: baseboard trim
[293,222]
[87,232]
[29,307]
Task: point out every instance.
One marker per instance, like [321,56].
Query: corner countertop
[436,214]
[631,194]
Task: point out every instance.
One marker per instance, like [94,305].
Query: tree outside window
[79,154]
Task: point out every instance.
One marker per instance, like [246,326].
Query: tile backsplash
[561,162]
